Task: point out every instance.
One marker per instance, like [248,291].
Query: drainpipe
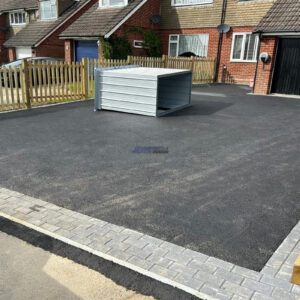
[224,6]
[257,60]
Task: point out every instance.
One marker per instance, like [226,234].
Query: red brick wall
[3,51]
[69,50]
[212,42]
[234,72]
[142,18]
[12,54]
[265,71]
[55,47]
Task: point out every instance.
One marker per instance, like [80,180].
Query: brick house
[279,32]
[105,19]
[187,23]
[39,37]
[14,16]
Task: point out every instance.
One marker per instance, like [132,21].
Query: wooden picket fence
[40,83]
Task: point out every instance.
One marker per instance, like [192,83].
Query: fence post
[24,70]
[85,78]
[129,60]
[164,61]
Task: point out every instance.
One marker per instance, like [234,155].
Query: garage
[287,67]
[23,52]
[86,49]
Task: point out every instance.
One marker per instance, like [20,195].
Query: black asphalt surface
[229,186]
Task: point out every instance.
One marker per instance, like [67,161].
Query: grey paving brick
[271,271]
[156,250]
[141,253]
[237,289]
[237,297]
[135,242]
[259,296]
[285,272]
[113,227]
[296,289]
[118,245]
[246,273]
[132,233]
[163,271]
[35,221]
[159,260]
[229,276]
[98,222]
[24,210]
[49,227]
[120,254]
[277,260]
[196,255]
[279,294]
[204,267]
[220,263]
[208,278]
[171,247]
[100,245]
[215,292]
[258,286]
[182,269]
[116,236]
[63,232]
[151,240]
[291,259]
[81,239]
[276,282]
[189,281]
[142,263]
[179,257]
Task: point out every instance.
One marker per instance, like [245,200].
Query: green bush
[115,48]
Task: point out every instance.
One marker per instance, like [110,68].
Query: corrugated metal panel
[147,91]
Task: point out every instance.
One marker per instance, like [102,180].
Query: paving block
[276,282]
[279,294]
[163,271]
[220,263]
[229,276]
[237,289]
[189,281]
[215,292]
[208,278]
[296,272]
[246,273]
[258,286]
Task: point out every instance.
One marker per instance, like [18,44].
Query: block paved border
[193,272]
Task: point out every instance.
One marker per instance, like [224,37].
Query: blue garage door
[88,49]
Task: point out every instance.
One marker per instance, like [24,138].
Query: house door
[286,78]
[23,52]
[86,49]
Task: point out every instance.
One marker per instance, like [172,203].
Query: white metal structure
[144,91]
[23,52]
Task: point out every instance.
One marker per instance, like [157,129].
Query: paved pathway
[196,273]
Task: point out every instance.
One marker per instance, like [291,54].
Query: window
[185,44]
[138,44]
[244,47]
[17,18]
[112,3]
[48,9]
[190,2]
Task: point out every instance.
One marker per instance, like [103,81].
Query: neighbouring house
[191,26]
[40,36]
[108,18]
[279,32]
[14,16]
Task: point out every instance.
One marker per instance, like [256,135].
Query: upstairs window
[17,18]
[190,2]
[244,47]
[48,9]
[188,45]
[112,3]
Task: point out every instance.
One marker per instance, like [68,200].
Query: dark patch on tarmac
[228,186]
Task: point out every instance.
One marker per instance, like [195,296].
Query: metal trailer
[145,91]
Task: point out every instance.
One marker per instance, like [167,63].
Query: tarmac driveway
[229,186]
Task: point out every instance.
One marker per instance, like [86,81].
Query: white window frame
[136,44]
[12,16]
[173,42]
[200,2]
[244,34]
[125,3]
[52,18]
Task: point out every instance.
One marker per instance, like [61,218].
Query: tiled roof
[7,5]
[283,16]
[34,32]
[97,22]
